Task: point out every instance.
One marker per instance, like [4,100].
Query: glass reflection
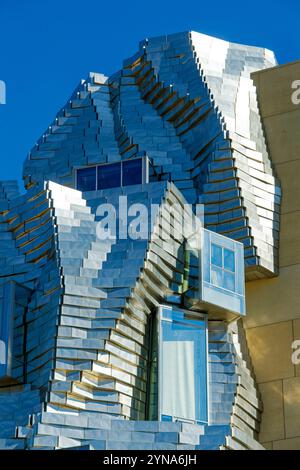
[182,366]
[109,176]
[132,172]
[229,260]
[86,179]
[216,255]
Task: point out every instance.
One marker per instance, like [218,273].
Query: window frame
[211,265]
[215,298]
[145,172]
[200,317]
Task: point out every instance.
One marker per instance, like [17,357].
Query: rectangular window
[228,281]
[222,274]
[113,175]
[222,267]
[216,255]
[132,172]
[181,366]
[216,276]
[109,176]
[13,365]
[86,179]
[229,262]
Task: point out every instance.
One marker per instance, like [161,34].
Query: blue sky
[47,46]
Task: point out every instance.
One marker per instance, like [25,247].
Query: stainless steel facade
[80,352]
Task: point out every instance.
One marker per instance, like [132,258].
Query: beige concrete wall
[273,306]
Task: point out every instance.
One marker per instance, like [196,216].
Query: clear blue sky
[47,46]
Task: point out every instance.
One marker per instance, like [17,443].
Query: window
[13,367]
[86,179]
[109,176]
[222,274]
[222,267]
[113,175]
[178,376]
[132,172]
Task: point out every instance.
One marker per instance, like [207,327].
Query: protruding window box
[221,277]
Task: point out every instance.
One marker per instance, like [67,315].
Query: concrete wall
[273,305]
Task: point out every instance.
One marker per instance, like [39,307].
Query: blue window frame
[182,365]
[113,175]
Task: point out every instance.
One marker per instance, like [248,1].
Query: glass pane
[166,418]
[153,369]
[229,281]
[183,380]
[109,176]
[86,179]
[217,276]
[132,172]
[216,255]
[229,260]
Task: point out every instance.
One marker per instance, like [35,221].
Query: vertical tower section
[202,87]
[226,69]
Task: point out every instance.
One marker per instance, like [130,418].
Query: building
[272,322]
[151,219]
